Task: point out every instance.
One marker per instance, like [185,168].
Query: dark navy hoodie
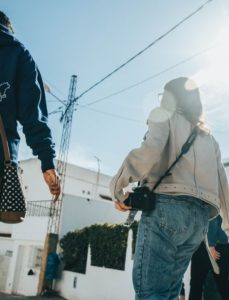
[22,99]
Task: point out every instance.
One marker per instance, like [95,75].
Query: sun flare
[216,72]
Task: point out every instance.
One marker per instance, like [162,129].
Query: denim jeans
[167,238]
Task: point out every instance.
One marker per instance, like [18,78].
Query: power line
[149,78]
[140,52]
[57,98]
[190,58]
[55,87]
[112,115]
[138,121]
[146,48]
[58,110]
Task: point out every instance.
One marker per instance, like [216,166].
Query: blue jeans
[167,238]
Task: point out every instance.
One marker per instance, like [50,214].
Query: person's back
[195,189]
[197,173]
[22,99]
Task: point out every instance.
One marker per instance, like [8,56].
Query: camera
[141,199]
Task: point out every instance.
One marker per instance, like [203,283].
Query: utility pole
[56,208]
[95,188]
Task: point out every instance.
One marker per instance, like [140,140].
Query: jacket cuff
[47,164]
[211,244]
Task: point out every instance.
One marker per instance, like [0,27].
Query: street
[13,297]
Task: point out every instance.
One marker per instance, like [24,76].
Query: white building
[86,201]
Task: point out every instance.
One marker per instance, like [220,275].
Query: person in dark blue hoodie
[22,99]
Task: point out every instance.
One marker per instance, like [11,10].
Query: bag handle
[5,144]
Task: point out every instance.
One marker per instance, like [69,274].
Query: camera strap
[185,148]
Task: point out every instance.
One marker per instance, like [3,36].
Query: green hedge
[108,244]
[75,250]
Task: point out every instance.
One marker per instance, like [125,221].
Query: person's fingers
[55,197]
[55,191]
[216,255]
[54,188]
[121,206]
[118,207]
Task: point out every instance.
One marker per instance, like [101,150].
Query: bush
[108,246]
[75,250]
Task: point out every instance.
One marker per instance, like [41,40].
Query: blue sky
[90,38]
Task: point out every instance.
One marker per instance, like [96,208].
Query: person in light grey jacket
[196,190]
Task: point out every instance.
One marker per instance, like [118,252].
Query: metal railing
[38,208]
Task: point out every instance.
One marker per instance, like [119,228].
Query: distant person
[185,199]
[22,99]
[201,265]
[182,292]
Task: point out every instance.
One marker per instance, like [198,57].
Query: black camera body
[141,199]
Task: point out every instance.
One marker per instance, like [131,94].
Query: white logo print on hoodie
[4,86]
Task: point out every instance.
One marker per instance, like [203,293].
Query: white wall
[101,283]
[5,228]
[79,181]
[6,244]
[18,280]
[31,229]
[33,182]
[81,184]
[4,267]
[78,213]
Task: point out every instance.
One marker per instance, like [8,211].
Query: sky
[91,38]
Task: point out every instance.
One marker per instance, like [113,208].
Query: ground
[13,297]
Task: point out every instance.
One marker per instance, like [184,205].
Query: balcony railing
[38,208]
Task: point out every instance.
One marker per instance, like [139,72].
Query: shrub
[108,246]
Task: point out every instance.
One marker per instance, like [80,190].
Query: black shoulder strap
[185,148]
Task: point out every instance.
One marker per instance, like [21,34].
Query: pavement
[16,297]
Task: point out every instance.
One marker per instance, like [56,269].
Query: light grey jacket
[198,173]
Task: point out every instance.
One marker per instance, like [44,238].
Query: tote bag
[12,200]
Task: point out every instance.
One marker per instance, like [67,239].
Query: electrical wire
[113,115]
[57,98]
[149,78]
[58,110]
[146,48]
[54,86]
[188,59]
[139,53]
[138,121]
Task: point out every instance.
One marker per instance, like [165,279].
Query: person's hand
[121,206]
[215,254]
[53,181]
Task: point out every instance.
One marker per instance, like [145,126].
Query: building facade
[86,201]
